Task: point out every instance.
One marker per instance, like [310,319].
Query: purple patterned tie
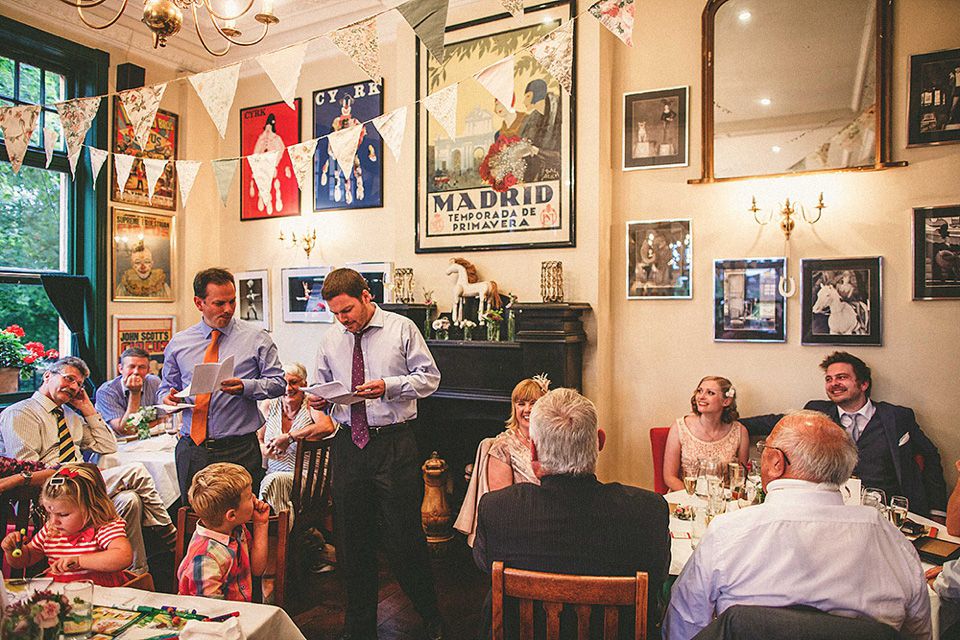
[358,410]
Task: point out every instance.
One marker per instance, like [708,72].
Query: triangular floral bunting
[343,146]
[428,18]
[283,67]
[75,118]
[554,52]
[17,124]
[97,158]
[391,127]
[515,7]
[216,90]
[141,106]
[442,105]
[617,16]
[122,163]
[154,168]
[49,142]
[361,42]
[223,172]
[186,175]
[498,80]
[301,157]
[264,166]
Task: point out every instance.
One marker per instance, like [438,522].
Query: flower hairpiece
[542,381]
[731,392]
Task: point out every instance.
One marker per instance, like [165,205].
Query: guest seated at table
[945,580]
[571,523]
[123,396]
[219,562]
[82,538]
[803,546]
[711,431]
[19,473]
[505,459]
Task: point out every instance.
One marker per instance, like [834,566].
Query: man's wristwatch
[27,476]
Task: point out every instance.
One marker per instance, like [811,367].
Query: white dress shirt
[28,431]
[858,419]
[802,546]
[947,584]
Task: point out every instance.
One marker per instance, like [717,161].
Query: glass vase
[511,327]
[442,334]
[493,332]
[467,334]
[426,326]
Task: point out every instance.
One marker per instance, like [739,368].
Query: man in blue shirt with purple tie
[222,426]
[375,467]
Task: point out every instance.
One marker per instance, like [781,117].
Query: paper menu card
[207,377]
[166,408]
[851,491]
[334,391]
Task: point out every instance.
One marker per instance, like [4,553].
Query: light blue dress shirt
[112,396]
[255,361]
[393,351]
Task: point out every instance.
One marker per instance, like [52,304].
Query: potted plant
[19,359]
[441,328]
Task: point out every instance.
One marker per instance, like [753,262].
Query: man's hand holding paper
[335,392]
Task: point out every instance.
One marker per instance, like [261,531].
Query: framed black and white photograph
[253,297]
[659,259]
[302,301]
[936,253]
[841,301]
[934,109]
[748,305]
[379,276]
[655,131]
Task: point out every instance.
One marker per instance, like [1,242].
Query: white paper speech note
[166,408]
[207,377]
[334,391]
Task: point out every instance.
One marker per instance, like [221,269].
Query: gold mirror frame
[884,53]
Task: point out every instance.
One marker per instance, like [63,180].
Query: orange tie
[198,426]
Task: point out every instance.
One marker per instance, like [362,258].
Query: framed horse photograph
[840,301]
[659,259]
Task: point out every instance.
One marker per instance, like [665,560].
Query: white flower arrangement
[441,324]
[468,324]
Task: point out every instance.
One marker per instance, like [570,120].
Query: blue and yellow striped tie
[66,449]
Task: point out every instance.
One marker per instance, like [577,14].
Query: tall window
[49,219]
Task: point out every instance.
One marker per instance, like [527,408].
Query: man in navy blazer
[887,435]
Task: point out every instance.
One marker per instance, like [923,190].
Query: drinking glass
[689,483]
[710,469]
[875,498]
[737,476]
[698,525]
[79,594]
[899,506]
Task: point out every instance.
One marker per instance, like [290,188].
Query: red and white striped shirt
[90,540]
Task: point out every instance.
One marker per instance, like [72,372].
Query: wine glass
[899,506]
[689,482]
[876,498]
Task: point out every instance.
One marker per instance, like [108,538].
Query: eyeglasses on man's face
[763,445]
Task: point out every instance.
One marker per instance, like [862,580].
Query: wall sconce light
[307,241]
[788,213]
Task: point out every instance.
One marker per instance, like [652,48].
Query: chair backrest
[553,590]
[311,482]
[143,581]
[658,442]
[278,530]
[744,622]
[18,511]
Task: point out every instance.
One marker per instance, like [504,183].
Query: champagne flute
[737,478]
[689,483]
[710,469]
[899,506]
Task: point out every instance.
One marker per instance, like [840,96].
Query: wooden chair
[554,590]
[658,442]
[311,483]
[278,530]
[143,581]
[19,509]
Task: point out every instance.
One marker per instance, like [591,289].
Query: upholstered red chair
[658,442]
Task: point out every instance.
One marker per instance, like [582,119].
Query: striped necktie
[198,424]
[66,451]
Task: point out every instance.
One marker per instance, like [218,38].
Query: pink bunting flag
[97,158]
[391,127]
[442,105]
[343,146]
[154,169]
[141,106]
[217,89]
[186,175]
[49,142]
[361,42]
[283,68]
[617,16]
[301,157]
[263,166]
[554,52]
[122,163]
[498,80]
[17,124]
[75,118]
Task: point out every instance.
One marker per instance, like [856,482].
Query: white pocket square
[904,440]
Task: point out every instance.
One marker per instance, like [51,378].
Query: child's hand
[65,564]
[261,512]
[11,542]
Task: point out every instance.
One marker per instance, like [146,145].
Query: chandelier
[165,17]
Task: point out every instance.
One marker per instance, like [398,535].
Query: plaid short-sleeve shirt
[217,565]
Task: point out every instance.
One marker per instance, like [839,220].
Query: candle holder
[551,280]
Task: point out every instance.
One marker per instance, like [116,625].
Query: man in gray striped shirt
[56,422]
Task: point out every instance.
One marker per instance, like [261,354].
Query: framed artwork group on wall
[748,305]
[162,144]
[269,127]
[936,252]
[526,199]
[655,131]
[142,256]
[302,301]
[659,259]
[253,297]
[840,301]
[934,110]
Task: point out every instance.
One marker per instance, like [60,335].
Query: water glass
[875,498]
[79,594]
[710,469]
[689,483]
[698,525]
[737,475]
[899,506]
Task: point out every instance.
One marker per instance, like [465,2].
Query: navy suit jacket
[925,489]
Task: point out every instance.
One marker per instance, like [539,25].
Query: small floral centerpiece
[468,326]
[683,512]
[511,317]
[40,616]
[441,326]
[16,354]
[141,421]
[431,307]
[492,319]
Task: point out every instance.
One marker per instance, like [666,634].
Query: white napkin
[226,630]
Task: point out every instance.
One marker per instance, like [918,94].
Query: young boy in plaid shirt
[219,562]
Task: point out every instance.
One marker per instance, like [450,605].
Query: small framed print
[269,127]
[253,297]
[936,253]
[143,252]
[379,276]
[934,109]
[655,131]
[748,305]
[147,332]
[302,301]
[659,259]
[840,301]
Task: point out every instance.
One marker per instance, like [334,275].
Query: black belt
[387,428]
[225,442]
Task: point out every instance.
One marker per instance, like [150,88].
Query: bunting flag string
[141,106]
[617,16]
[360,42]
[76,116]
[301,157]
[122,163]
[154,169]
[498,80]
[217,89]
[49,142]
[263,166]
[17,124]
[442,105]
[391,127]
[186,175]
[428,18]
[97,158]
[343,146]
[283,67]
[554,52]
[223,171]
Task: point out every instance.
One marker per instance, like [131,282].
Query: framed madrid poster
[269,127]
[162,144]
[504,180]
[361,185]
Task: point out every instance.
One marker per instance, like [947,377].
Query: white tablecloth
[157,455]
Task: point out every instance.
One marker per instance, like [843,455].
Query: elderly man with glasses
[803,546]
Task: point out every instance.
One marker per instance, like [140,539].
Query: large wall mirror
[795,86]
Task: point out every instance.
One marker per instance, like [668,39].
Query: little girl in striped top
[83,538]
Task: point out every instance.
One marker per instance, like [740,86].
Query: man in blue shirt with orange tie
[222,427]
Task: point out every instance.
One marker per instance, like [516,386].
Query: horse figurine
[845,318]
[468,287]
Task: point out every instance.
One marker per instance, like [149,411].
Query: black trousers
[242,450]
[382,479]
